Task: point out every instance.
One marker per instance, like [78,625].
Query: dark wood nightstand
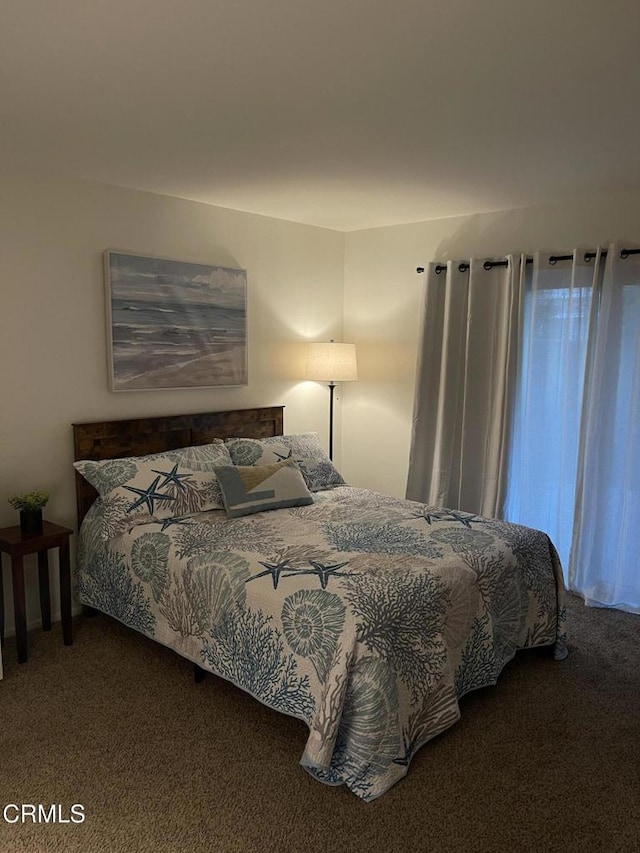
[17,544]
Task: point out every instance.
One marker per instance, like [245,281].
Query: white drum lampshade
[331,363]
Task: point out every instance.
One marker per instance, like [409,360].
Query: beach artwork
[174,324]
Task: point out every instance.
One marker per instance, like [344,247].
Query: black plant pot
[31,520]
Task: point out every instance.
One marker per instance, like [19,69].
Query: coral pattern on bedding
[366,616]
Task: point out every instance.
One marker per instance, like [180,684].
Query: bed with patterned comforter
[366,616]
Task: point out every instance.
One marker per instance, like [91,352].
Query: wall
[52,327]
[383,303]
[302,280]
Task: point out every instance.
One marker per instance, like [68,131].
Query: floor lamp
[331,363]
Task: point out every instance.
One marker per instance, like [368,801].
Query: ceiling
[346,114]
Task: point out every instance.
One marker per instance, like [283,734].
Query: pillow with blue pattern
[141,489]
[255,488]
[317,469]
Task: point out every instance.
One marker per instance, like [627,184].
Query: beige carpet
[549,760]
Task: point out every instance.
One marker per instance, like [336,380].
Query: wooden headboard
[136,437]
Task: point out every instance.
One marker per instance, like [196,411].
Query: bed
[366,616]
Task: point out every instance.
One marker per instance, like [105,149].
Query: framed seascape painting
[174,324]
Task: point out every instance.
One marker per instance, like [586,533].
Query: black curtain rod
[553,259]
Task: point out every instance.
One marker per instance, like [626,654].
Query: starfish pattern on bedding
[172,477]
[466,518]
[283,456]
[448,515]
[429,516]
[324,571]
[169,521]
[273,569]
[147,496]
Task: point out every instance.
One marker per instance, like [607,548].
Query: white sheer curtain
[574,467]
[465,385]
[604,566]
[546,426]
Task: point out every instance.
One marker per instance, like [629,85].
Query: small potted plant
[30,506]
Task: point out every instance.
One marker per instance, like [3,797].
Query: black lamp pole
[332,388]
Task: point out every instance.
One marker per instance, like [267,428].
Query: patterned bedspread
[364,615]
